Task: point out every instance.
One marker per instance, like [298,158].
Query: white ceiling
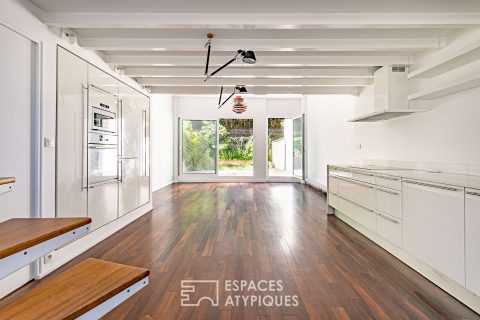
[259,6]
[306,46]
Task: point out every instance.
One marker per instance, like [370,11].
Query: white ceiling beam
[358,44]
[259,90]
[346,82]
[261,20]
[268,61]
[336,72]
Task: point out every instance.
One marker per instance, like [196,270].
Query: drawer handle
[363,173]
[477,194]
[357,204]
[388,191]
[387,218]
[388,178]
[356,182]
[430,185]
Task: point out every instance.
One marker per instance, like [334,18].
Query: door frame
[37,126]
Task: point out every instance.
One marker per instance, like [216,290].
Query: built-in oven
[102,159]
[102,111]
[102,144]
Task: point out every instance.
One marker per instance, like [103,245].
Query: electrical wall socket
[48,258]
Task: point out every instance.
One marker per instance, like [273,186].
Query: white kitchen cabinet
[358,191]
[71,176]
[389,182]
[134,188]
[333,184]
[361,214]
[333,200]
[472,239]
[433,226]
[363,176]
[102,80]
[144,174]
[102,204]
[389,228]
[389,201]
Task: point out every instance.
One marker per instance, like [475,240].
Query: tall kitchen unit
[103,176]
[134,186]
[102,154]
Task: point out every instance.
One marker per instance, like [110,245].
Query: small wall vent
[399,69]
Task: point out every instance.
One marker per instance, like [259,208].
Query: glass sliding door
[235,147]
[298,147]
[199,146]
[280,147]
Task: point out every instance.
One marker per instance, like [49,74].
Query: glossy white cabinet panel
[472,239]
[333,200]
[103,204]
[363,176]
[71,148]
[332,184]
[389,228]
[357,191]
[433,226]
[102,80]
[365,216]
[389,201]
[389,182]
[144,175]
[128,186]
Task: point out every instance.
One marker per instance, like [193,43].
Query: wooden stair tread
[19,234]
[71,293]
[6,180]
[147,317]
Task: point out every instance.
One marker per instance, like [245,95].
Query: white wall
[330,138]
[161,121]
[260,108]
[447,133]
[18,16]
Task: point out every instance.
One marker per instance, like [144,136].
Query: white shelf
[466,55]
[455,86]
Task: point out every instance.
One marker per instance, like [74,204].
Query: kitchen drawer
[389,228]
[357,191]
[389,182]
[363,176]
[333,200]
[364,216]
[332,184]
[390,202]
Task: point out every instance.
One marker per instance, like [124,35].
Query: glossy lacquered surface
[266,231]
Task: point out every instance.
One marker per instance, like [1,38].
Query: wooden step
[22,241]
[87,290]
[7,180]
[6,184]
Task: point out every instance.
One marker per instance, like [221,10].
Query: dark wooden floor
[271,232]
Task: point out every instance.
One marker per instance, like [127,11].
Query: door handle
[388,178]
[471,193]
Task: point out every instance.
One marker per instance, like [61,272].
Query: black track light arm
[237,88]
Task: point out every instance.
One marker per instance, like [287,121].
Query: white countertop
[458,180]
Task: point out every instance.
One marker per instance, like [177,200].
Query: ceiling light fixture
[248,56]
[238,88]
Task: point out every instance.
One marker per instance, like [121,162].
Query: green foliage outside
[235,148]
[198,146]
